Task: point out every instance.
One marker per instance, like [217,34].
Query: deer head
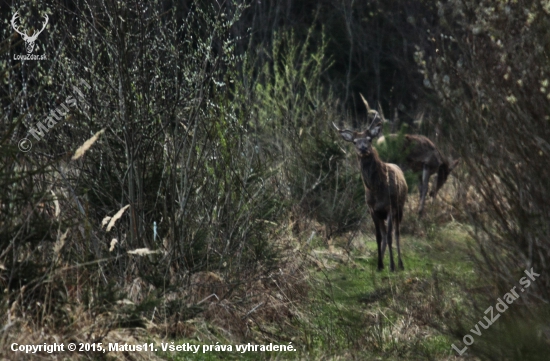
[29,40]
[363,140]
[443,173]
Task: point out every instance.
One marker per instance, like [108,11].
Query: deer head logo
[29,40]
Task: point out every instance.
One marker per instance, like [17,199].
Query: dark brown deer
[385,187]
[424,159]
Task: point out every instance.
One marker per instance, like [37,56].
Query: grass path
[357,313]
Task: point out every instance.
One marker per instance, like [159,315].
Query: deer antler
[375,120]
[365,102]
[13,19]
[370,111]
[35,34]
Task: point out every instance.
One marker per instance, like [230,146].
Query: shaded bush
[294,115]
[489,73]
[176,150]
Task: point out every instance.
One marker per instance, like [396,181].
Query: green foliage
[293,115]
[288,89]
[391,148]
[325,185]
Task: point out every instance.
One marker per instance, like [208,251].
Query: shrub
[492,102]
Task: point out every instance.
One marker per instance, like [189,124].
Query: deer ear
[347,135]
[375,129]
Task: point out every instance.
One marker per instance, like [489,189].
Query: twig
[213,294]
[252,310]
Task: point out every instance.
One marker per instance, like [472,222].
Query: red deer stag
[385,187]
[424,159]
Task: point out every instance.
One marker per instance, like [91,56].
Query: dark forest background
[218,154]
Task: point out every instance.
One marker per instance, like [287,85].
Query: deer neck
[372,169]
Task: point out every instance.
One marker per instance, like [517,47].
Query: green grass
[356,312]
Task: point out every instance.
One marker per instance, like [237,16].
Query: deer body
[386,193]
[385,187]
[424,159]
[384,184]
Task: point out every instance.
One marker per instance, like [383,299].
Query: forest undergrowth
[170,175]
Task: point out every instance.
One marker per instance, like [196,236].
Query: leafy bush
[294,117]
[488,69]
[176,149]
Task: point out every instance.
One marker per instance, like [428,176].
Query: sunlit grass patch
[358,310]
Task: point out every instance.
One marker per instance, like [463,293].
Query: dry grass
[252,307]
[87,327]
[206,307]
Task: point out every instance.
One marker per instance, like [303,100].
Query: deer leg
[397,236]
[378,243]
[383,233]
[433,192]
[425,181]
[389,238]
[420,187]
[439,171]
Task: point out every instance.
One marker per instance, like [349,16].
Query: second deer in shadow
[385,187]
[424,159]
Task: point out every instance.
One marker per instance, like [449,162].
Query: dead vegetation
[205,307]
